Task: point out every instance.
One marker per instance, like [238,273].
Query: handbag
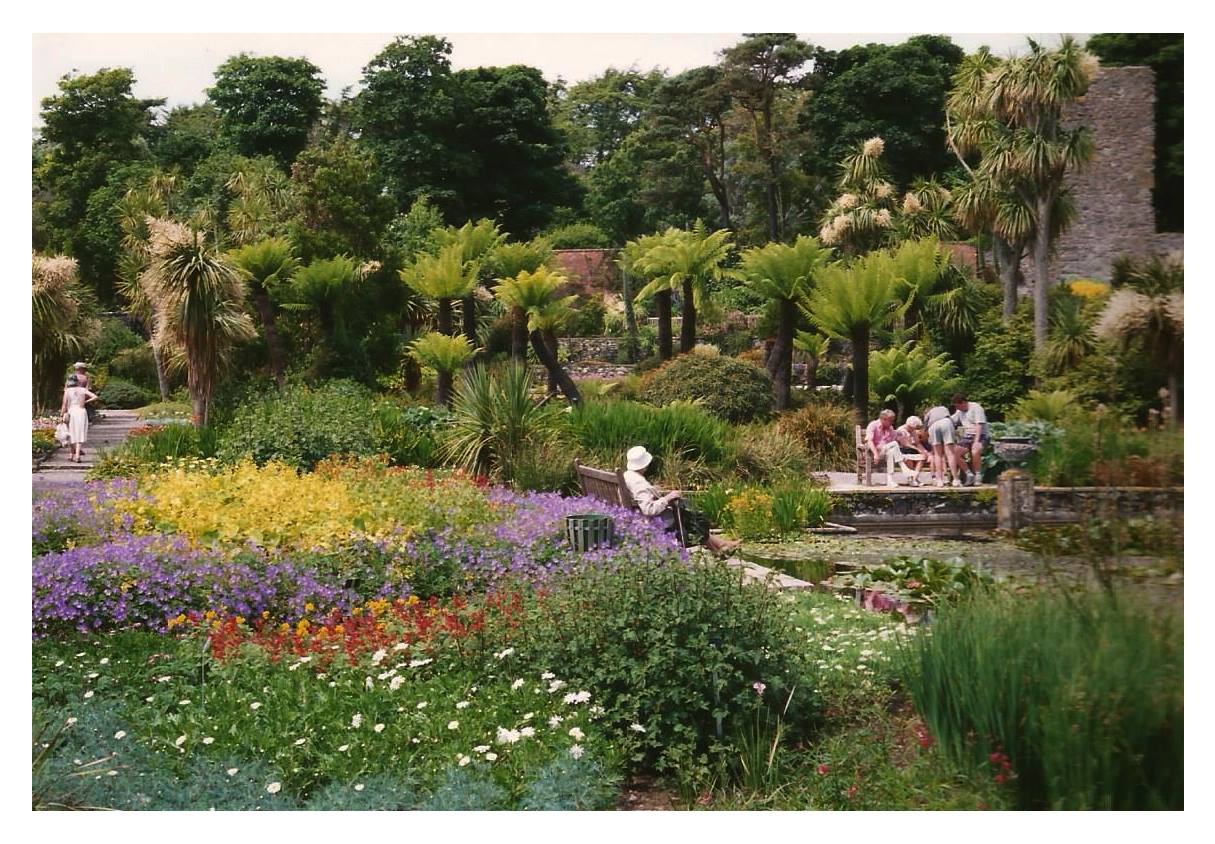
[61,434]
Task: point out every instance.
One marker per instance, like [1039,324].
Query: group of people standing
[936,440]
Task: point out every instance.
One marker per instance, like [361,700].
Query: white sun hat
[638,458]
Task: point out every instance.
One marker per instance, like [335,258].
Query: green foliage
[675,649]
[826,432]
[302,425]
[588,319]
[578,236]
[1081,695]
[267,104]
[763,452]
[495,423]
[606,430]
[138,365]
[44,443]
[441,352]
[726,387]
[114,337]
[123,394]
[1052,407]
[145,452]
[895,92]
[342,207]
[567,784]
[909,378]
[1099,446]
[995,372]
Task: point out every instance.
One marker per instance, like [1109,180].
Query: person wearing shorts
[973,419]
[910,436]
[941,440]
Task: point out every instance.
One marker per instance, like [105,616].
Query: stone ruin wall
[1113,194]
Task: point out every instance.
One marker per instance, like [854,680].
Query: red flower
[824,770]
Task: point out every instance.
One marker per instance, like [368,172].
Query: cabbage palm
[134,210]
[265,264]
[61,323]
[200,304]
[862,217]
[1152,312]
[536,294]
[850,302]
[784,274]
[690,260]
[508,260]
[446,355]
[1071,335]
[633,262]
[443,278]
[927,212]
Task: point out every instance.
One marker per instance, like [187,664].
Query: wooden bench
[864,458]
[604,485]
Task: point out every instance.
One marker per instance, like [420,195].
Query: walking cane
[683,540]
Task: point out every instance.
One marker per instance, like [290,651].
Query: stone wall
[1113,194]
[589,270]
[590,348]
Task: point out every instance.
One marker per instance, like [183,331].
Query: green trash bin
[589,531]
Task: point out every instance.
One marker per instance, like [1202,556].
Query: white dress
[78,417]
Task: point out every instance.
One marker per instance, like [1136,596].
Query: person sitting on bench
[882,440]
[652,501]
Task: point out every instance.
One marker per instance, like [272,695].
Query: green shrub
[712,501]
[1054,406]
[113,338]
[139,453]
[799,504]
[826,432]
[605,430]
[137,366]
[302,426]
[676,649]
[409,435]
[588,319]
[44,443]
[578,236]
[763,452]
[123,394]
[726,387]
[1080,696]
[749,514]
[907,378]
[997,371]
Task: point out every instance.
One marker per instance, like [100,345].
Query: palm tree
[1071,335]
[927,211]
[442,278]
[264,265]
[446,355]
[908,377]
[1012,113]
[631,263]
[930,287]
[61,323]
[784,274]
[507,261]
[1151,311]
[691,259]
[814,347]
[477,242]
[862,217]
[536,294]
[200,301]
[850,302]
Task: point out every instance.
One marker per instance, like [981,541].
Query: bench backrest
[604,485]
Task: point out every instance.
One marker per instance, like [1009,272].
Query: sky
[179,67]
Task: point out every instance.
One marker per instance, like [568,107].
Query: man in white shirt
[651,501]
[973,419]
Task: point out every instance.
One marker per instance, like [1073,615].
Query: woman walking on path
[75,398]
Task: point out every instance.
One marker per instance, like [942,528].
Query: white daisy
[274,787]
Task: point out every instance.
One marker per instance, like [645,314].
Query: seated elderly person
[910,437]
[973,420]
[652,501]
[883,442]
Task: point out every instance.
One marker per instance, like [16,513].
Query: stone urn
[1016,451]
[1014,487]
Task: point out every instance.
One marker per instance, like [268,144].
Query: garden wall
[589,270]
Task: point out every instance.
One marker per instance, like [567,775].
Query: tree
[632,262]
[326,288]
[444,354]
[1165,54]
[688,261]
[200,305]
[814,347]
[265,265]
[508,156]
[908,377]
[597,114]
[443,278]
[784,274]
[862,217]
[536,294]
[477,242]
[187,136]
[1151,310]
[753,71]
[895,92]
[405,114]
[850,302]
[62,323]
[92,127]
[1026,149]
[506,262]
[690,109]
[340,199]
[267,104]
[932,290]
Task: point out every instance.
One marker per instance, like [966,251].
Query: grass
[165,410]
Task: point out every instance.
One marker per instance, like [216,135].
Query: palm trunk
[662,303]
[470,318]
[1008,260]
[274,346]
[556,372]
[630,316]
[780,360]
[444,317]
[687,330]
[518,334]
[1041,268]
[162,377]
[550,343]
[1174,399]
[860,374]
[443,388]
